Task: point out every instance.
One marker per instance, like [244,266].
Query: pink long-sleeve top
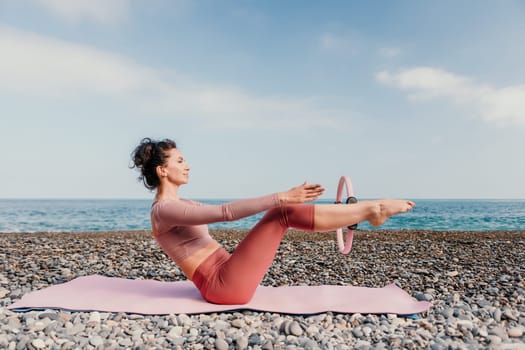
[180,226]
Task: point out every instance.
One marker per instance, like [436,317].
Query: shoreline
[298,235]
[475,282]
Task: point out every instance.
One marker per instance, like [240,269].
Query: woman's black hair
[147,156]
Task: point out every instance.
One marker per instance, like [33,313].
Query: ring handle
[345,245]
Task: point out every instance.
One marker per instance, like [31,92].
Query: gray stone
[238,323]
[241,343]
[4,341]
[295,329]
[367,331]
[494,339]
[94,318]
[438,346]
[37,326]
[254,339]
[357,332]
[515,332]
[194,332]
[499,332]
[184,320]
[285,327]
[465,324]
[312,330]
[483,332]
[423,296]
[176,340]
[309,344]
[38,343]
[268,345]
[96,341]
[125,342]
[221,325]
[3,292]
[135,317]
[22,343]
[221,344]
[75,329]
[509,315]
[51,315]
[497,315]
[175,332]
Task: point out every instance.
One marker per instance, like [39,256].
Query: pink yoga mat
[151,297]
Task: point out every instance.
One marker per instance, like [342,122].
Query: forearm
[247,207]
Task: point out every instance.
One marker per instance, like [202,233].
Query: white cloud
[500,105]
[35,65]
[102,11]
[45,66]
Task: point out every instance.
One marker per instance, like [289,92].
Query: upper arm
[181,213]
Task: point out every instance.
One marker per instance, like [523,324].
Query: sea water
[87,215]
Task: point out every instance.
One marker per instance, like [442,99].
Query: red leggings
[232,279]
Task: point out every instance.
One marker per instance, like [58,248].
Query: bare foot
[386,208]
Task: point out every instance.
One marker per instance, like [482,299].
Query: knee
[287,216]
[298,216]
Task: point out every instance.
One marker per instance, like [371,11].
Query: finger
[314,186]
[314,194]
[317,189]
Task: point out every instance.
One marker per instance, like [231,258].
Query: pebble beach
[474,280]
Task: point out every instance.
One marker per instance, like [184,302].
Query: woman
[180,226]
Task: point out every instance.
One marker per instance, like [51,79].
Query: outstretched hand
[302,193]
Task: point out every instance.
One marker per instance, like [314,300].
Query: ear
[161,172]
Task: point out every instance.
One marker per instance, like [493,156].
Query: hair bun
[147,156]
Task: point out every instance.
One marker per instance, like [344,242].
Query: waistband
[209,266]
[190,264]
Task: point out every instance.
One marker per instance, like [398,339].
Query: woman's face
[176,169]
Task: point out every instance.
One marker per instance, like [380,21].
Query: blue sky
[412,99]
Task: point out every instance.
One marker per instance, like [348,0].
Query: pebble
[38,343]
[479,306]
[499,332]
[51,315]
[241,343]
[96,341]
[94,318]
[357,332]
[497,315]
[175,332]
[296,329]
[509,315]
[267,346]
[238,323]
[515,332]
[221,344]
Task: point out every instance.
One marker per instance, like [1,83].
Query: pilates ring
[345,245]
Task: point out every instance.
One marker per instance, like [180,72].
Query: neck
[167,192]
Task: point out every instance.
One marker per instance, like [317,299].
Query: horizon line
[238,198]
